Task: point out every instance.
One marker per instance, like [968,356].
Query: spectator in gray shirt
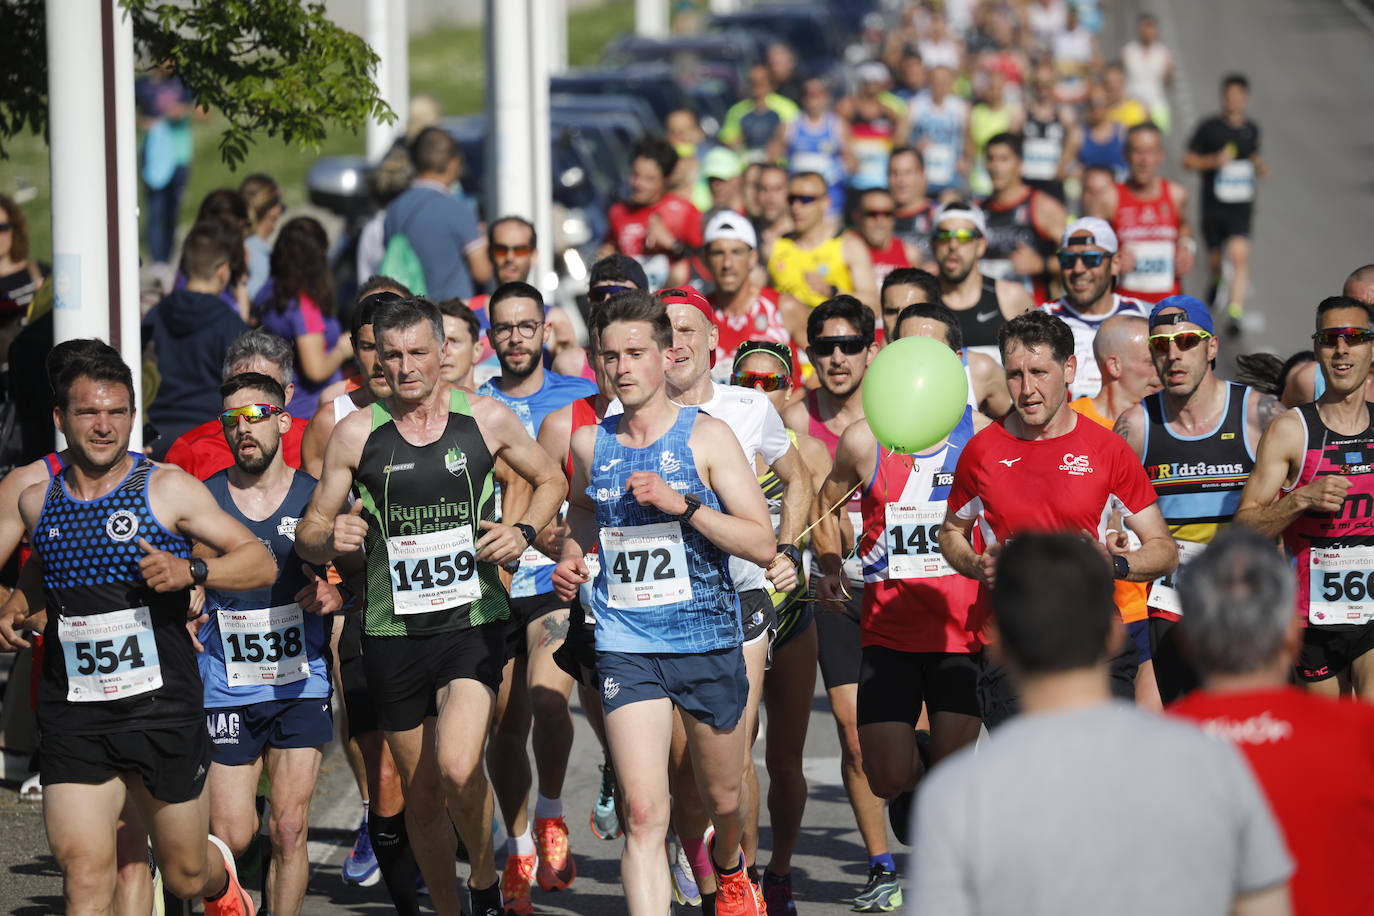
[1084,804]
[442,229]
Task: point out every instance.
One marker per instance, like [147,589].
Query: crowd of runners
[1060,646]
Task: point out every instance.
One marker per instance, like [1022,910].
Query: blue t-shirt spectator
[442,229]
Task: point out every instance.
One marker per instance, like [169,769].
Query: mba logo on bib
[455,462]
[121,525]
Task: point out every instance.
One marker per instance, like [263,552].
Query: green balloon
[914,393]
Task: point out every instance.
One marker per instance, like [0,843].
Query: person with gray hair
[202,451]
[1313,756]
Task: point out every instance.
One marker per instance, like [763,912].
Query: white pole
[558,35]
[651,18]
[76,156]
[398,40]
[721,7]
[379,21]
[510,165]
[540,40]
[126,184]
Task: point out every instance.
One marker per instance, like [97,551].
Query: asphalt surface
[1309,62]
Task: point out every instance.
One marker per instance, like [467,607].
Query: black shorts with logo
[171,761]
[757,615]
[405,672]
[893,685]
[1329,651]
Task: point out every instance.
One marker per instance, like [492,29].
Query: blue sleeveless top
[662,587]
[282,662]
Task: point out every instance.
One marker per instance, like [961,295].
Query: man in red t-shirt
[202,451]
[655,227]
[1040,469]
[1313,756]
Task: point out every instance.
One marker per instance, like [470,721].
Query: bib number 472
[661,558]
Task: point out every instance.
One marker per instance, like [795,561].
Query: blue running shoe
[605,820]
[361,867]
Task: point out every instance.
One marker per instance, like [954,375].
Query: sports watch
[1120,567]
[792,553]
[693,504]
[199,571]
[526,530]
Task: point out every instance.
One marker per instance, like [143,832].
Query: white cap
[1099,232]
[872,71]
[732,226]
[957,210]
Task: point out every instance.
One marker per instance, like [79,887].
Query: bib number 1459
[434,571]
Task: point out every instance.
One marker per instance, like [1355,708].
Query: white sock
[522,845]
[548,807]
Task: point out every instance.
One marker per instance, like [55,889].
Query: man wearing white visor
[981,304]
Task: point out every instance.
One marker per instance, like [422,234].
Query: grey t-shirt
[1106,809]
[442,229]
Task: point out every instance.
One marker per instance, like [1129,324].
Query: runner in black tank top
[981,323]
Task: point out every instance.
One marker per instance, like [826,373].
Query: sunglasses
[520,251]
[849,345]
[880,214]
[5,227]
[763,381]
[602,293]
[1329,337]
[1184,340]
[802,198]
[957,235]
[1089,258]
[254,413]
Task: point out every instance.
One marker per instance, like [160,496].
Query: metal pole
[379,21]
[558,40]
[510,163]
[398,40]
[651,18]
[126,186]
[540,40]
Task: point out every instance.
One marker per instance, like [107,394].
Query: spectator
[1038,821]
[20,277]
[262,197]
[164,114]
[441,228]
[301,309]
[389,180]
[189,331]
[226,209]
[202,451]
[1244,638]
[655,226]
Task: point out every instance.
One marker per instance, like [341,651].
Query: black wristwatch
[526,530]
[693,504]
[792,553]
[199,571]
[1120,567]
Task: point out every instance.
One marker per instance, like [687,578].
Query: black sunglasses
[849,345]
[802,198]
[602,293]
[1089,258]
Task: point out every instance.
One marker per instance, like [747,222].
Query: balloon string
[858,536]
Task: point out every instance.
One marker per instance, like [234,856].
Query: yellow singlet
[789,265]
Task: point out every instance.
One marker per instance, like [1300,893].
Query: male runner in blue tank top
[672,496]
[264,661]
[119,700]
[435,625]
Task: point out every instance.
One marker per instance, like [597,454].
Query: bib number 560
[1355,585]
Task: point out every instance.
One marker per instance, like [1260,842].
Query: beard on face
[259,460]
[522,372]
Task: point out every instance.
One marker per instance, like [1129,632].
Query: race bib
[533,557]
[822,164]
[433,572]
[1040,159]
[913,542]
[1163,594]
[109,656]
[264,646]
[587,590]
[1340,585]
[1154,267]
[1235,182]
[853,563]
[645,566]
[940,164]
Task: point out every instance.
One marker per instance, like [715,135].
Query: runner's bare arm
[316,437]
[316,540]
[956,544]
[1013,298]
[1157,555]
[1131,427]
[1277,463]
[22,605]
[989,385]
[861,271]
[855,449]
[11,523]
[571,570]
[1274,901]
[742,529]
[796,497]
[1262,410]
[506,439]
[184,505]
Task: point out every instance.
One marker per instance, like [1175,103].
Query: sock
[708,903]
[213,897]
[522,845]
[884,860]
[396,860]
[770,878]
[726,872]
[492,894]
[698,856]
[547,807]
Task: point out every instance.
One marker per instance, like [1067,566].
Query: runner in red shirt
[655,227]
[202,451]
[1314,757]
[875,222]
[1148,214]
[1044,468]
[744,310]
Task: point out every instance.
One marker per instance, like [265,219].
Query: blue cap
[1194,308]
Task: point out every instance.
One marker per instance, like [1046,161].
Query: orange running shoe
[235,900]
[557,870]
[515,884]
[736,895]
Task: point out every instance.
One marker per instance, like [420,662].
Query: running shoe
[605,820]
[777,894]
[736,895]
[235,900]
[882,893]
[515,884]
[759,902]
[685,890]
[488,902]
[361,866]
[557,870]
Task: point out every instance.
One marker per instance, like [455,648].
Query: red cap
[679,295]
